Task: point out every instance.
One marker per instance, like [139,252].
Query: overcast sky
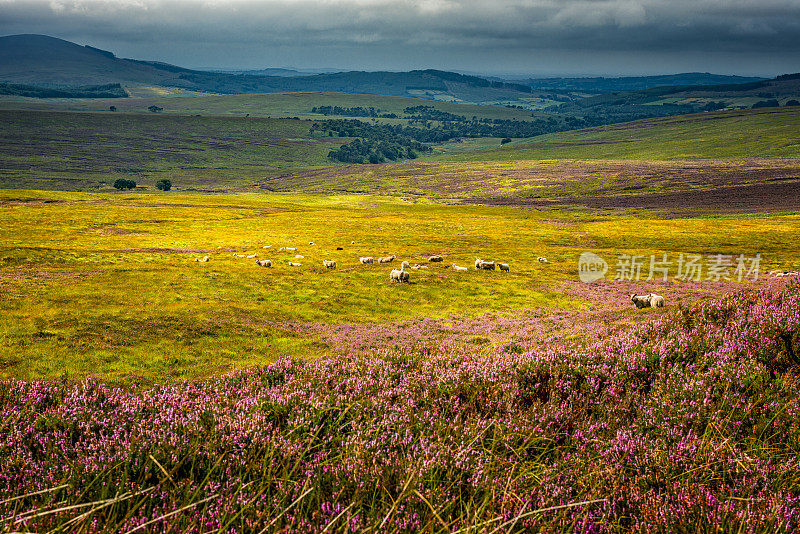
[537,37]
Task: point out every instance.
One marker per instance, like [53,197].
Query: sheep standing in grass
[399,275]
[203,259]
[264,263]
[486,265]
[330,264]
[435,259]
[651,300]
[251,256]
[299,257]
[238,255]
[504,267]
[365,259]
[405,265]
[457,268]
[293,264]
[542,259]
[386,259]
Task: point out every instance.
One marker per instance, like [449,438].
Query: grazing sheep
[399,275]
[238,255]
[365,259]
[299,257]
[290,249]
[266,246]
[457,268]
[504,266]
[352,242]
[310,242]
[478,262]
[339,248]
[651,300]
[251,256]
[293,264]
[264,263]
[405,265]
[386,259]
[436,258]
[330,264]
[542,259]
[486,265]
[203,259]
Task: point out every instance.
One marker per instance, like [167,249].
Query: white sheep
[238,255]
[330,264]
[486,265]
[399,275]
[264,263]
[436,258]
[651,300]
[266,246]
[310,242]
[251,256]
[504,266]
[386,259]
[299,256]
[203,259]
[365,259]
[457,268]
[293,264]
[405,265]
[542,259]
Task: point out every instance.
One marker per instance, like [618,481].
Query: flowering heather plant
[688,422]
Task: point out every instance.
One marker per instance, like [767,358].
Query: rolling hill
[48,61]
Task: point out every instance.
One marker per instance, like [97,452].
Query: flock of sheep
[396,275]
[650,300]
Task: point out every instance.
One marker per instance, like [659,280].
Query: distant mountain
[632,83]
[49,62]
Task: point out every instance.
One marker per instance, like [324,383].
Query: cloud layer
[537,36]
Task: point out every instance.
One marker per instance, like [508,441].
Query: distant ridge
[51,62]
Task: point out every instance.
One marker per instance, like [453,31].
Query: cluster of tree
[430,113]
[155,109]
[112,90]
[357,111]
[164,185]
[376,151]
[714,106]
[122,183]
[772,103]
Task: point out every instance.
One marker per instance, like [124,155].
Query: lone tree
[112,108]
[122,183]
[164,185]
[506,140]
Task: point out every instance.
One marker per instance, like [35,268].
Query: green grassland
[725,134]
[88,151]
[106,284]
[278,105]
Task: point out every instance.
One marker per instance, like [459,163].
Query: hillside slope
[43,60]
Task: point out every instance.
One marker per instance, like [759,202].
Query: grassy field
[88,151]
[727,134]
[278,105]
[106,284]
[141,389]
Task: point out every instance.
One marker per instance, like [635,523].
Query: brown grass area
[489,181]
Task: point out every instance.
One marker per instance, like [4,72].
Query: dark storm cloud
[393,34]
